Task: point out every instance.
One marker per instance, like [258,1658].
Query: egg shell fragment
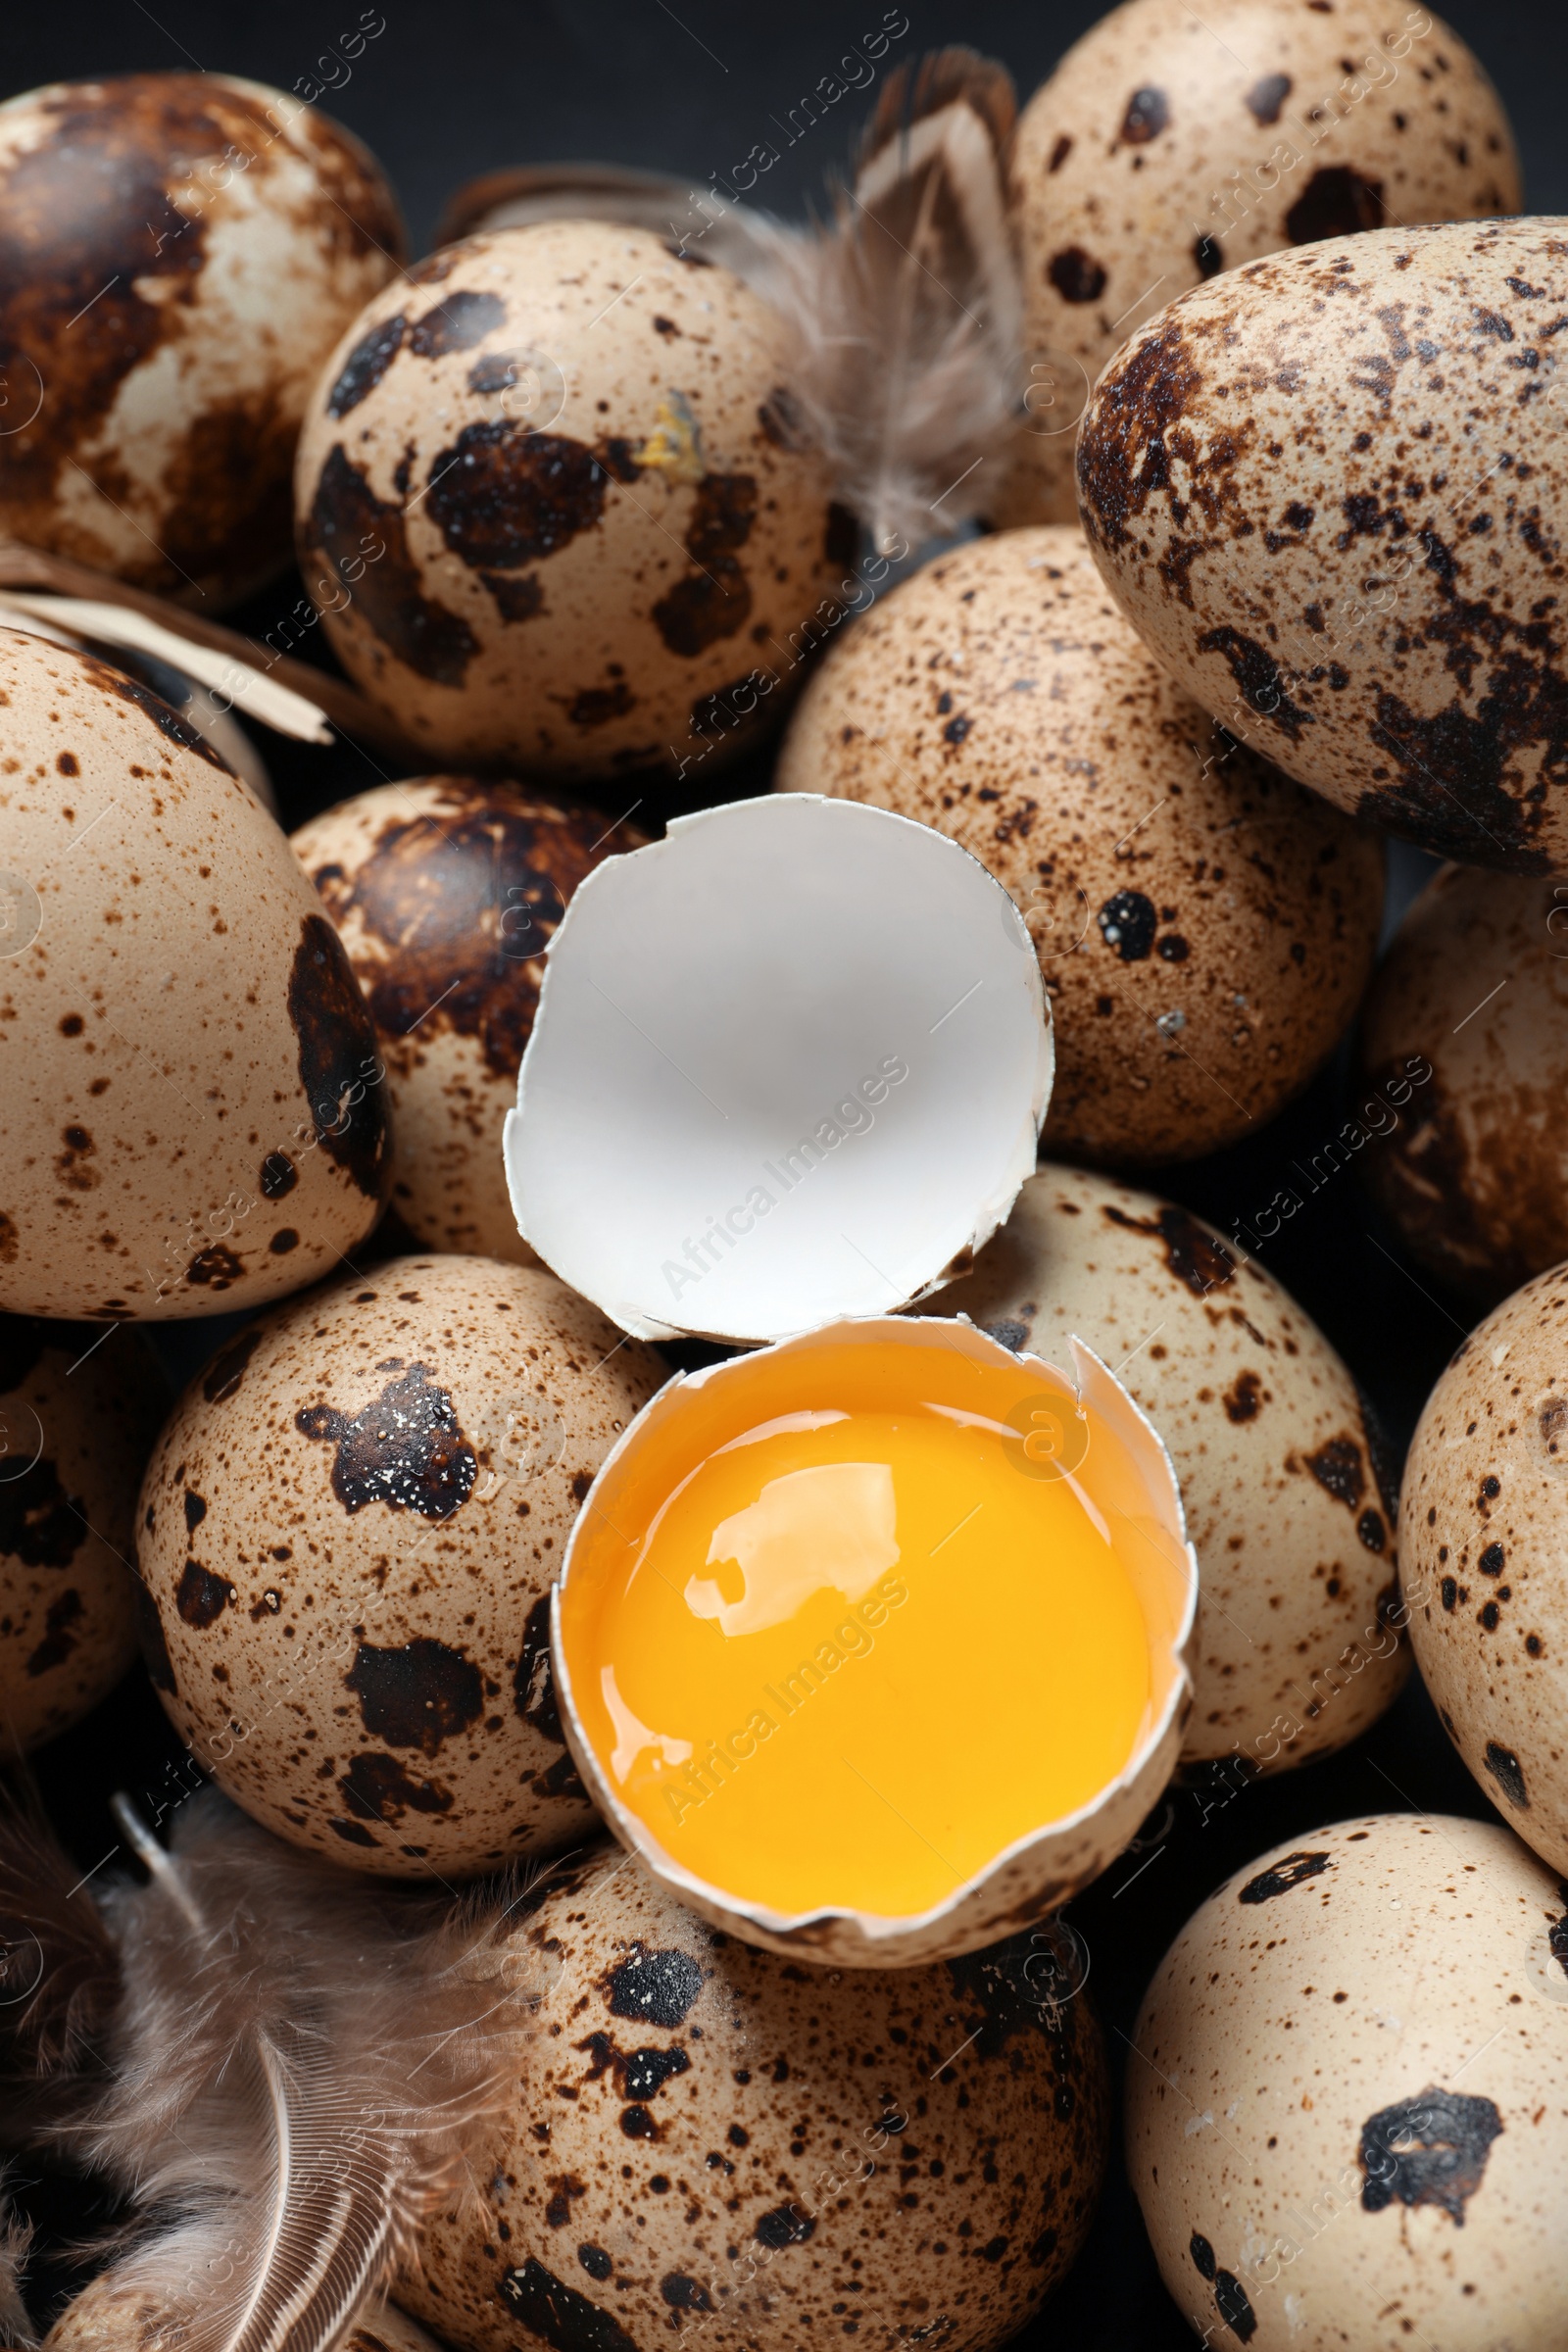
[1347,2098]
[1329,491]
[445,892]
[75,1432]
[707,2137]
[1475,987]
[1171,144]
[194,1118]
[347,1534]
[550,502]
[1484,1522]
[1281,1475]
[179,253]
[1203,927]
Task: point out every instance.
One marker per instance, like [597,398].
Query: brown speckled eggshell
[548,498]
[179,253]
[1348,2096]
[706,2136]
[1205,928]
[1172,143]
[1484,1527]
[74,1429]
[348,1530]
[1330,491]
[1475,988]
[194,1119]
[1279,1471]
[445,892]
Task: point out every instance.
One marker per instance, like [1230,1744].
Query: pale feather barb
[16,2328]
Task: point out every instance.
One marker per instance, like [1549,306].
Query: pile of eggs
[1267,575]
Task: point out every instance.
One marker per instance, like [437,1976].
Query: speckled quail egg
[708,2137]
[1203,928]
[1329,492]
[1172,143]
[446,892]
[550,502]
[1475,988]
[347,1534]
[1281,1473]
[1348,2095]
[194,1115]
[74,1429]
[179,253]
[1484,1522]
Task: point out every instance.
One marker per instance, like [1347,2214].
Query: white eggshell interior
[789,1063]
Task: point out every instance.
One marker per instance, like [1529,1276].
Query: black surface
[449,90]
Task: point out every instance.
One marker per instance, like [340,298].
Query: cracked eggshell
[1130,1482]
[348,1535]
[194,1119]
[446,890]
[1474,993]
[179,253]
[1483,1528]
[1348,2095]
[826,1028]
[549,505]
[75,1430]
[1203,928]
[1171,144]
[1281,477]
[707,2138]
[1287,1498]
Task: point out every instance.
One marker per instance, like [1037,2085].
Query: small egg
[1483,1525]
[709,2138]
[1474,992]
[1170,144]
[75,1428]
[1204,929]
[179,253]
[194,1115]
[348,1532]
[1348,2095]
[550,502]
[445,892]
[1285,1489]
[1328,492]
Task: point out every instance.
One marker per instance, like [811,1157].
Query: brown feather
[16,2328]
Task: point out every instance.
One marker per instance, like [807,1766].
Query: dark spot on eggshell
[165,718]
[366,365]
[1203,2254]
[1371,1532]
[654,1988]
[1266,97]
[1244,1398]
[1208,256]
[713,600]
[682,2293]
[1128,921]
[1012,1336]
[1291,1869]
[63,1612]
[40,1524]
[1076,275]
[1428,2150]
[216,1268]
[377,1788]
[1147,114]
[279,1176]
[195,1510]
[1507,1770]
[1338,201]
[503,496]
[596,2262]
[365,544]
[201,1597]
[1340,1470]
[337,1058]
[1196,1256]
[227,1370]
[1234,2306]
[405,1449]
[458,324]
[352,1833]
[784,2226]
[516,600]
[1258,677]
[533,1689]
[643,2073]
[560,2317]
[415,1695]
[597,705]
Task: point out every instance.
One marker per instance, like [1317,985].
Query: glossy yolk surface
[852,1653]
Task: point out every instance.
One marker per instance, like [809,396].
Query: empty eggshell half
[1127,1485]
[817,1032]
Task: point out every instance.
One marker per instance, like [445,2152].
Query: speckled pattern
[1293,1534]
[1484,1523]
[1172,143]
[446,892]
[1476,984]
[1329,490]
[194,1116]
[131,2319]
[347,1534]
[571,451]
[76,1435]
[1349,2105]
[718,2145]
[1205,928]
[179,253]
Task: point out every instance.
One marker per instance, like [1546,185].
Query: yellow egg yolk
[845,1653]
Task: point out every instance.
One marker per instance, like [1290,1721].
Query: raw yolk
[850,1655]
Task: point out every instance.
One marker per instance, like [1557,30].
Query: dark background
[454,87]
